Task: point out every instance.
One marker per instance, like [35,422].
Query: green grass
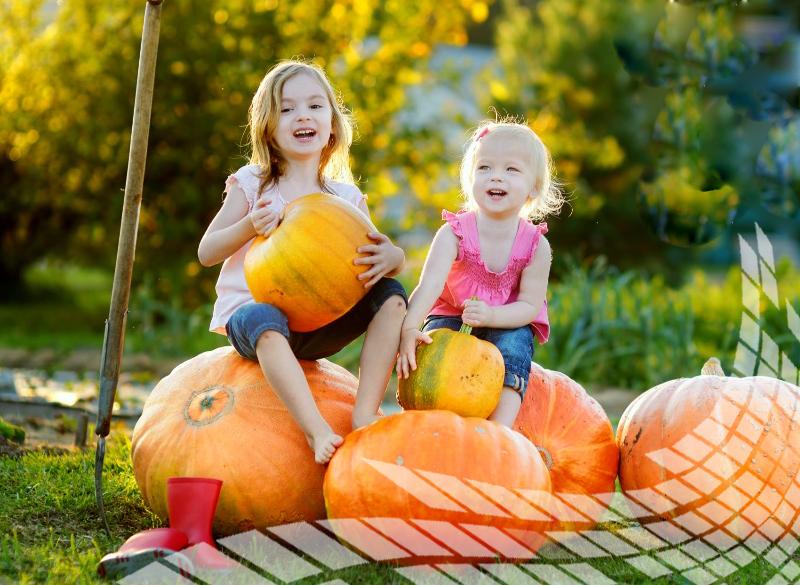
[51,530]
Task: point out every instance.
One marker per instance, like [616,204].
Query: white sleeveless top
[232,291]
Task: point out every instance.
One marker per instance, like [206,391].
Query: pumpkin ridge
[309,247]
[291,247]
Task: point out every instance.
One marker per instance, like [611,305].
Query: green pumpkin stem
[464,327]
[712,367]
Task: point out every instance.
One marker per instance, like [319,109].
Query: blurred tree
[67,98]
[637,101]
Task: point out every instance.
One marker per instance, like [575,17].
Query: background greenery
[672,127]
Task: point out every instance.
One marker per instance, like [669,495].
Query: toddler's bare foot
[362,420]
[324,446]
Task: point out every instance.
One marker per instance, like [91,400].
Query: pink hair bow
[483,133]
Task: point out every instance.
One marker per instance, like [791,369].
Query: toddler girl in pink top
[492,252]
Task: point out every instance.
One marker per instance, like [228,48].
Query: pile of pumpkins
[705,453]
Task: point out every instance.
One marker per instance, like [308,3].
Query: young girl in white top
[300,137]
[488,265]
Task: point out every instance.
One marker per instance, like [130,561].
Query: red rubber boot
[192,502]
[144,548]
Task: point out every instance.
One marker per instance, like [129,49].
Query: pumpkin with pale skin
[714,456]
[431,470]
[576,440]
[456,372]
[305,266]
[216,416]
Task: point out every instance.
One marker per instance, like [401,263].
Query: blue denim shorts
[515,345]
[250,321]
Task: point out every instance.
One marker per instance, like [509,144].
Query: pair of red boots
[192,502]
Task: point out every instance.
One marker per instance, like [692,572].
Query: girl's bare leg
[507,408]
[284,374]
[377,360]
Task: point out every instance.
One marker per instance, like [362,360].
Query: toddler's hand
[476,313]
[383,256]
[263,218]
[407,355]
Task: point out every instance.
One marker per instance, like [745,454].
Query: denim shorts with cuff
[250,321]
[515,345]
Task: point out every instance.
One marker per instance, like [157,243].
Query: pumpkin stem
[464,327]
[712,367]
[548,458]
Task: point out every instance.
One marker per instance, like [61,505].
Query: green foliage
[67,93]
[619,329]
[630,330]
[643,105]
[11,432]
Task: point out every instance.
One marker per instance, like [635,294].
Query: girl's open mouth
[496,194]
[305,134]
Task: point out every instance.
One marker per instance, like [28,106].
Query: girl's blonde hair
[548,197]
[262,122]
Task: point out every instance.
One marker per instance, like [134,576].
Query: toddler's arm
[233,226]
[441,256]
[532,294]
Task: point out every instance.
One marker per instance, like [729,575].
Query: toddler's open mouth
[496,194]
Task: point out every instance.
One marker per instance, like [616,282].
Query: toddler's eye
[483,167]
[513,169]
[316,106]
[284,110]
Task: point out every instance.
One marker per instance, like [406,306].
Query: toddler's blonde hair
[262,122]
[548,197]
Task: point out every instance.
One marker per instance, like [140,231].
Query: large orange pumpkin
[216,416]
[456,372]
[714,456]
[576,440]
[305,267]
[422,473]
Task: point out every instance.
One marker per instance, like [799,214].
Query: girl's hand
[476,313]
[263,218]
[383,256]
[407,355]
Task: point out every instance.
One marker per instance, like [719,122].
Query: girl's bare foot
[324,446]
[362,420]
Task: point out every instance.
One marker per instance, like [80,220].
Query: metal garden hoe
[114,336]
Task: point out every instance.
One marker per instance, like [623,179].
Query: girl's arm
[385,258]
[233,227]
[441,256]
[532,291]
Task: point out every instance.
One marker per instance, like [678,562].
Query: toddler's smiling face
[503,179]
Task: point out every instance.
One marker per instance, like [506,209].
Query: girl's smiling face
[304,125]
[503,179]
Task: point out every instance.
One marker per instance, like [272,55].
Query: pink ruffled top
[469,277]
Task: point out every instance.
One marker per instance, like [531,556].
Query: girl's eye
[316,106]
[483,167]
[513,169]
[284,110]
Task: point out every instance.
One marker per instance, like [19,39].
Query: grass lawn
[51,530]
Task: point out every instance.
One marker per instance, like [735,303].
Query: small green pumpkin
[456,372]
